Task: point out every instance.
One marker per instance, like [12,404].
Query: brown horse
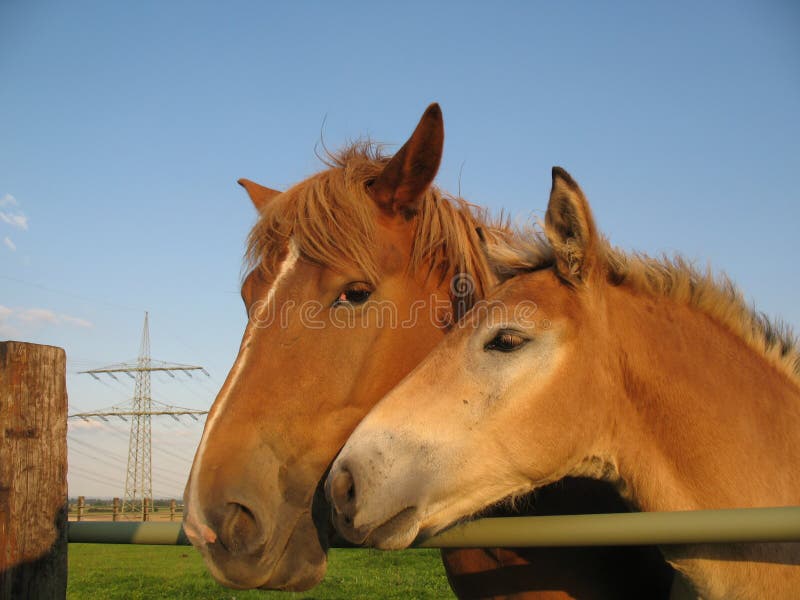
[351,286]
[589,362]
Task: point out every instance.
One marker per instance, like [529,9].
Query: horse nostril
[241,532]
[343,492]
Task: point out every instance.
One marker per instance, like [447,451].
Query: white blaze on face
[230,383]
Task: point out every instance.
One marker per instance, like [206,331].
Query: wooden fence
[33,471]
[90,512]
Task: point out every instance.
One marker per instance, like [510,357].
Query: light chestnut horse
[590,362]
[351,285]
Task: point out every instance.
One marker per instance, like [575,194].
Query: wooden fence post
[145,509]
[172,510]
[115,510]
[81,506]
[33,471]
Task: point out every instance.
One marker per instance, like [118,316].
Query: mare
[643,373]
[350,286]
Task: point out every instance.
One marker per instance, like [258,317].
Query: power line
[100,451]
[188,459]
[90,476]
[93,300]
[94,457]
[161,473]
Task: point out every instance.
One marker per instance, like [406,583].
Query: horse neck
[705,421]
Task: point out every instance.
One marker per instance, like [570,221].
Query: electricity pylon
[139,473]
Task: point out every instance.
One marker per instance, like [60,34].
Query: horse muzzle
[393,527]
[236,550]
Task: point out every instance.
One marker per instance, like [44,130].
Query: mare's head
[349,290]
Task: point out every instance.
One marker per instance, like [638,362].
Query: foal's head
[582,362]
[501,388]
[350,288]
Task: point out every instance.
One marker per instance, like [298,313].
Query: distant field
[130,572]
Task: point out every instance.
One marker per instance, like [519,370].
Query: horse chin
[300,566]
[303,562]
[397,533]
[295,573]
[288,575]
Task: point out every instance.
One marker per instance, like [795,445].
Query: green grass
[101,571]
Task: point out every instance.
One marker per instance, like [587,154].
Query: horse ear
[570,228]
[259,194]
[400,186]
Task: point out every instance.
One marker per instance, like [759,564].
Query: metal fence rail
[780,524]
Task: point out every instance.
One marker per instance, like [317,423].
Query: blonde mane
[331,218]
[672,277]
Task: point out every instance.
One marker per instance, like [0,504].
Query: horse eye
[506,341]
[354,295]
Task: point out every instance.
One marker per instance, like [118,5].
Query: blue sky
[124,126]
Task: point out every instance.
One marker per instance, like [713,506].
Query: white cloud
[15,218]
[38,316]
[9,333]
[76,321]
[90,424]
[6,331]
[18,220]
[9,244]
